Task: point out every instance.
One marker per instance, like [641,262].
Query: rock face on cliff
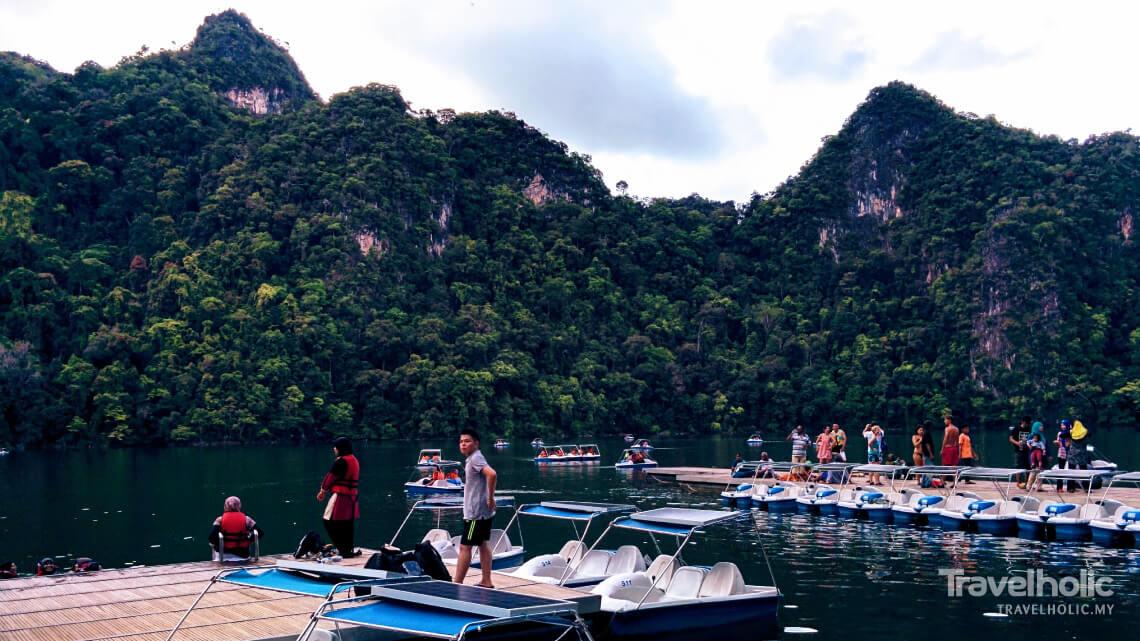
[253,71]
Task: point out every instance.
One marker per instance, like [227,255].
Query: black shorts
[475,532]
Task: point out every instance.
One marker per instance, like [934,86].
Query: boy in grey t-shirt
[478,509]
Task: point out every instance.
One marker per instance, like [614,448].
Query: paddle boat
[537,443]
[589,453]
[1123,525]
[790,484]
[740,495]
[429,457]
[919,506]
[869,501]
[755,441]
[565,453]
[572,566]
[444,477]
[824,499]
[669,600]
[629,438]
[630,460]
[505,554]
[501,443]
[642,445]
[989,516]
[1060,519]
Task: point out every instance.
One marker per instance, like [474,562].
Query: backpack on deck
[309,544]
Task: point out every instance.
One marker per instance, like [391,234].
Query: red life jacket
[348,484]
[235,538]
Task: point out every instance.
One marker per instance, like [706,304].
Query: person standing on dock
[800,443]
[478,509]
[950,442]
[342,482]
[838,443]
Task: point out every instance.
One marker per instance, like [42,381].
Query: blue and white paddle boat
[740,495]
[990,516]
[792,483]
[642,444]
[670,601]
[755,441]
[572,565]
[630,460]
[824,498]
[872,502]
[444,477]
[505,553]
[501,443]
[537,443]
[589,453]
[919,506]
[1060,519]
[1122,525]
[629,438]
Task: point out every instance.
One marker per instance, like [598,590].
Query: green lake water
[846,579]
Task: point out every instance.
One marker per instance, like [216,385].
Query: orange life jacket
[235,538]
[348,484]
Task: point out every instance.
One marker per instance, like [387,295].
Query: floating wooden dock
[144,604]
[715,479]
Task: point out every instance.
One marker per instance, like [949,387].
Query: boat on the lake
[444,477]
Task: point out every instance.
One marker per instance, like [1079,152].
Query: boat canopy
[830,467]
[574,511]
[879,468]
[994,473]
[429,452]
[935,470]
[1127,477]
[1084,475]
[675,521]
[456,502]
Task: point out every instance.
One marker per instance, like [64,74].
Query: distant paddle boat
[871,501]
[501,443]
[642,445]
[755,441]
[429,458]
[629,438]
[444,477]
[536,443]
[631,460]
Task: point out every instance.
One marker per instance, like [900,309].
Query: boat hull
[1054,528]
[1112,536]
[424,490]
[905,517]
[754,618]
[878,514]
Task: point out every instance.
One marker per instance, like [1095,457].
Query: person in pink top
[823,445]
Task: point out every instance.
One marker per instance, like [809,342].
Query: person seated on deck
[46,567]
[235,529]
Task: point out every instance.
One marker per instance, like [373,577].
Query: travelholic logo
[1035,584]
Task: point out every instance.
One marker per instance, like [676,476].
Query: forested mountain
[194,248]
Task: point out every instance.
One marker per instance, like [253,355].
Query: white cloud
[721,98]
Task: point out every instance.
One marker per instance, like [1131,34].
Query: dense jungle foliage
[176,269]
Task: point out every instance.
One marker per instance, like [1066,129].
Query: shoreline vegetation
[195,248]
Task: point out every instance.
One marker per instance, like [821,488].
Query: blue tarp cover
[421,620]
[280,581]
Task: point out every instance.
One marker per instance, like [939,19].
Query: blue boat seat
[980,506]
[626,559]
[1131,516]
[743,487]
[775,489]
[1055,509]
[724,579]
[870,497]
[686,583]
[928,501]
[825,492]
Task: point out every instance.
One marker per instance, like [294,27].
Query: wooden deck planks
[143,604]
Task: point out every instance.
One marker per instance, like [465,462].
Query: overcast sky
[718,98]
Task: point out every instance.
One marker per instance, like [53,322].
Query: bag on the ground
[430,562]
[309,544]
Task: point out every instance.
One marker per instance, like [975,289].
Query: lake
[849,579]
